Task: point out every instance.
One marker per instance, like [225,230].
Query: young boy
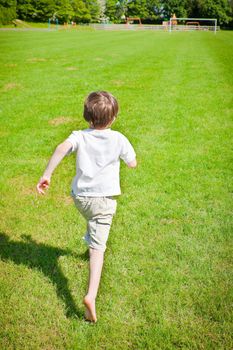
[99,150]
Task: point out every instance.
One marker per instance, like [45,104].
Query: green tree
[25,9]
[220,9]
[137,8]
[179,7]
[45,9]
[81,12]
[102,6]
[115,10]
[155,10]
[110,10]
[7,11]
[65,11]
[36,10]
[94,9]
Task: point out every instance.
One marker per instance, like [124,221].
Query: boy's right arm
[59,153]
[132,164]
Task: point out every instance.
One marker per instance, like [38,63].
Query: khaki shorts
[98,211]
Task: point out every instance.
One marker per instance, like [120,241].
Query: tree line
[86,11]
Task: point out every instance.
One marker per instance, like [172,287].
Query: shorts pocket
[81,203]
[111,205]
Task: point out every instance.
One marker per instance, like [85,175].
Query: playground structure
[173,24]
[69,25]
[129,20]
[165,26]
[191,24]
[53,22]
[174,20]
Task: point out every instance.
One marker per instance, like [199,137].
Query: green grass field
[167,280]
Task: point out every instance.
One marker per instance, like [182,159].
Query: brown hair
[100,108]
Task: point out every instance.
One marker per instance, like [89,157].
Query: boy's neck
[105,128]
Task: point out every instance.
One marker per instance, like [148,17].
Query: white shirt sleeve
[127,153]
[74,139]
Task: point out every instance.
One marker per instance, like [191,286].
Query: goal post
[190,24]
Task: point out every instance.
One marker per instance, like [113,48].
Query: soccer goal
[191,24]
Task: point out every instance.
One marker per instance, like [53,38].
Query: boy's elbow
[132,164]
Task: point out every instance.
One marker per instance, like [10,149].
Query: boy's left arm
[59,153]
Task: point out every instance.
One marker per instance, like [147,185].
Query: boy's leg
[96,264]
[98,213]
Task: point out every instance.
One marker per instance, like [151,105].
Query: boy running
[99,150]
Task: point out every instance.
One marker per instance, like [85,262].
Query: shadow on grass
[44,258]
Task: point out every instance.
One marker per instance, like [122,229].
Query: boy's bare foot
[90,313]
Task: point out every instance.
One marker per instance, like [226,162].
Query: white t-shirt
[98,161]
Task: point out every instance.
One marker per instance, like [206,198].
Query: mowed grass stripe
[166,281]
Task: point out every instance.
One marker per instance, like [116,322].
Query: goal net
[191,24]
